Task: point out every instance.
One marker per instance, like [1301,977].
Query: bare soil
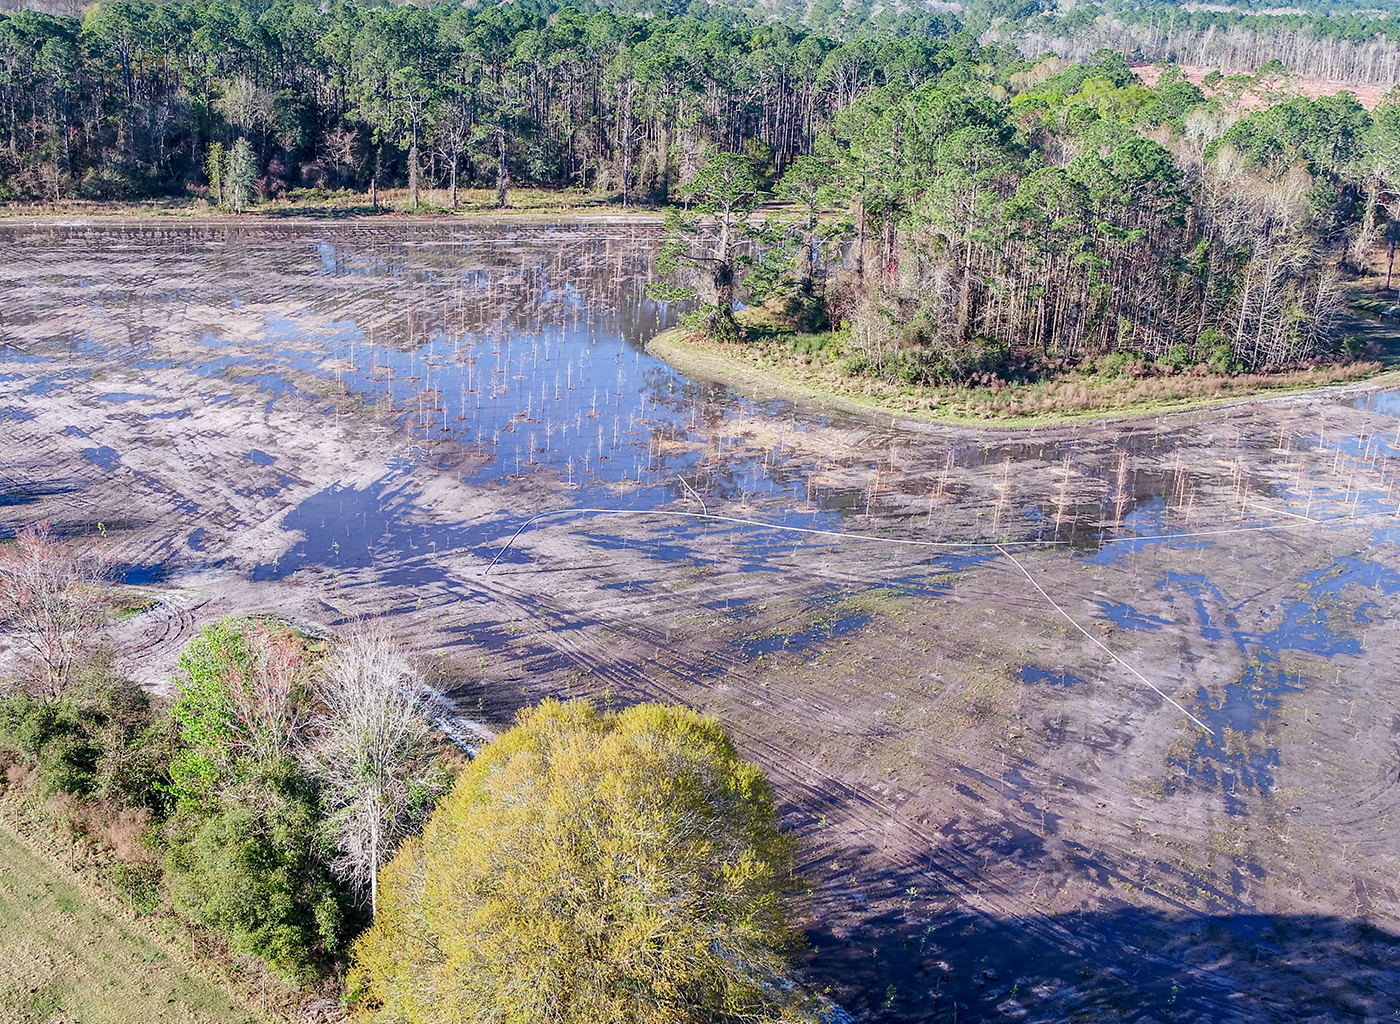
[998,819]
[1257,99]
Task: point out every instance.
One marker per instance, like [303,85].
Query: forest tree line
[132,100]
[1002,218]
[979,211]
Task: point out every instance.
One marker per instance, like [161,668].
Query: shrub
[1178,357]
[857,365]
[914,366]
[246,851]
[1222,359]
[240,696]
[591,867]
[102,739]
[1220,355]
[137,884]
[1119,364]
[248,869]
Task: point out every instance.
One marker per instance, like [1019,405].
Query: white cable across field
[965,545]
[1099,643]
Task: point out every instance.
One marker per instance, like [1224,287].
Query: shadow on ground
[1127,964]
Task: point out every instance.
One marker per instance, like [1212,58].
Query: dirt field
[999,819]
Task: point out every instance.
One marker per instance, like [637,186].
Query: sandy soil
[999,820]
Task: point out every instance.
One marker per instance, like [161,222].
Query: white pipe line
[960,544]
[1099,643]
[1284,512]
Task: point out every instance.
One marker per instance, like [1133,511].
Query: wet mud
[999,819]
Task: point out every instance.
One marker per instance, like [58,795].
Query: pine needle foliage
[591,867]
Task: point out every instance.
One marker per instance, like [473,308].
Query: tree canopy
[591,867]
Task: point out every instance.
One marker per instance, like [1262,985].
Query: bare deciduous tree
[374,754]
[50,599]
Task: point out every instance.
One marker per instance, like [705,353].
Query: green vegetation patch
[65,957]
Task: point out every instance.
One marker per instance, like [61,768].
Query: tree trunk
[414,173]
[1390,262]
[804,257]
[624,138]
[663,156]
[453,185]
[502,172]
[722,326]
[374,868]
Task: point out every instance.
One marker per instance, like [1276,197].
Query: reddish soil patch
[1262,96]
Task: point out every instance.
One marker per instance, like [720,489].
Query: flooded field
[1091,723]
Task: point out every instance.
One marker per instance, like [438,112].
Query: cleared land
[1259,98]
[1000,822]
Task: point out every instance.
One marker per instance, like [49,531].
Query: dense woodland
[1333,41]
[979,211]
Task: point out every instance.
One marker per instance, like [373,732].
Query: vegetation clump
[585,867]
[259,803]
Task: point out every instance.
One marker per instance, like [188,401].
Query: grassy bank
[785,366]
[66,954]
[315,204]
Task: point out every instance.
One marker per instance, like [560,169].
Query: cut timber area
[1311,88]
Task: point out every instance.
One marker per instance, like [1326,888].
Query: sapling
[50,599]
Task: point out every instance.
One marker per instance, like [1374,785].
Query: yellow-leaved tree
[591,867]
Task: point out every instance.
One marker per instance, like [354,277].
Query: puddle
[800,641]
[104,457]
[1248,704]
[1125,616]
[523,348]
[126,396]
[141,575]
[1032,675]
[1387,403]
[378,527]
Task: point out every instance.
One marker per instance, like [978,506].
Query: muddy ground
[999,819]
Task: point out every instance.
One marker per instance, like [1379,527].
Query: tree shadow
[1125,963]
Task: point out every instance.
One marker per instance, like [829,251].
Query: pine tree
[215,165]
